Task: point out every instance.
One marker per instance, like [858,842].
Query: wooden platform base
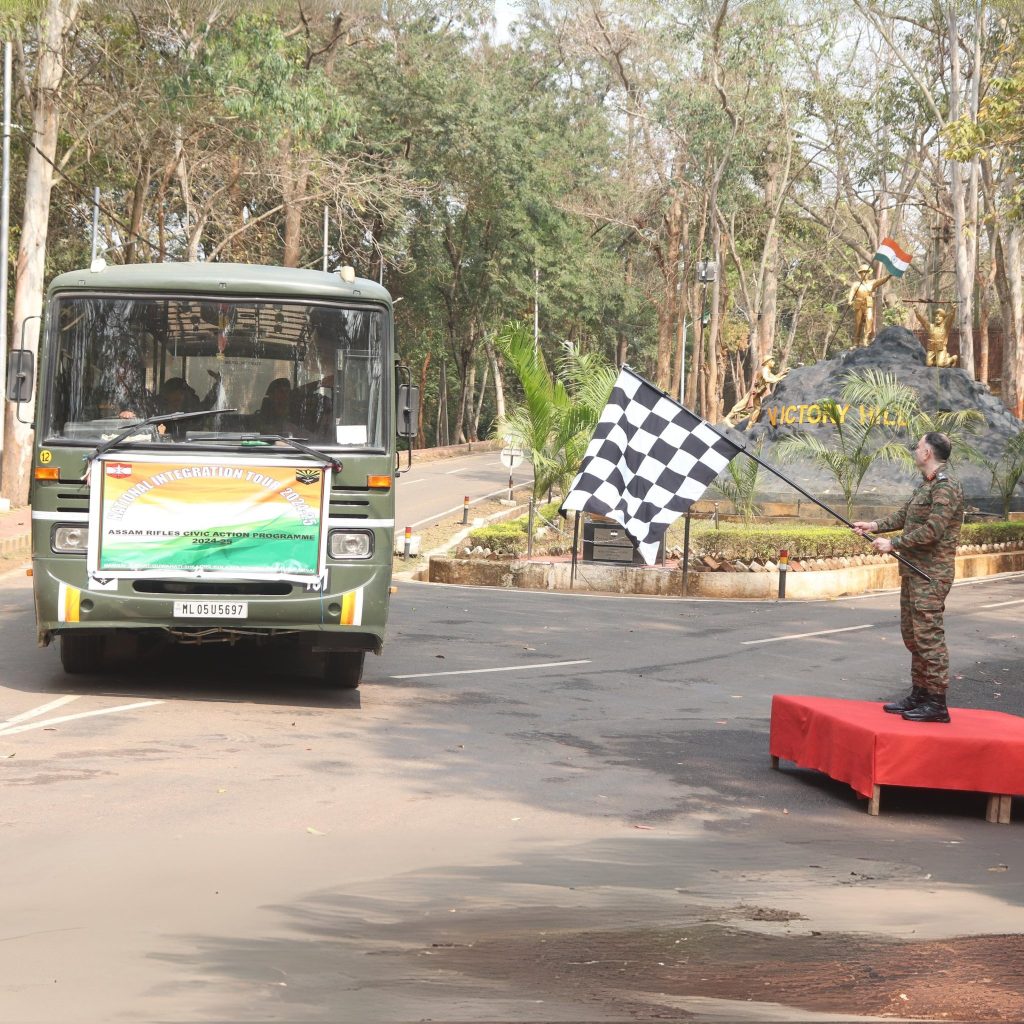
[858,743]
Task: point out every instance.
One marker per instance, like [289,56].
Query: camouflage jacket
[930,522]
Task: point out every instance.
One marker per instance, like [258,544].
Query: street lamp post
[707,271]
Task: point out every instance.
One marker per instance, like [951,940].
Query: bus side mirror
[408,410]
[20,375]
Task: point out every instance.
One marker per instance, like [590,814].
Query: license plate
[211,609]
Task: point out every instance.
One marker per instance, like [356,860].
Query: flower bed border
[805,584]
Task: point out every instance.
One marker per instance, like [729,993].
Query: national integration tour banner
[150,516]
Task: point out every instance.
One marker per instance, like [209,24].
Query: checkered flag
[648,461]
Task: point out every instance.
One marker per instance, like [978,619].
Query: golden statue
[862,298]
[938,336]
[760,388]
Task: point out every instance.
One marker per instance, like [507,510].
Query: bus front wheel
[344,669]
[81,653]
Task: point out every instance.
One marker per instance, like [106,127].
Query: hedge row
[733,540]
[509,537]
[765,542]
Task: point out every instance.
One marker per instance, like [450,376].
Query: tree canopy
[571,172]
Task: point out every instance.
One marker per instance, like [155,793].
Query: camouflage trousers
[921,608]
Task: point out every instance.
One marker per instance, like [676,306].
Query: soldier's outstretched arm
[894,521]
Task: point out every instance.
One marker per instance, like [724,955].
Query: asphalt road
[528,788]
[430,490]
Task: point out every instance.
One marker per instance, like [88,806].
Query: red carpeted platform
[856,742]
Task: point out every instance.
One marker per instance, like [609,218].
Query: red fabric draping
[856,742]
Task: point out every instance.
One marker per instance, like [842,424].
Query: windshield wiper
[314,453]
[169,417]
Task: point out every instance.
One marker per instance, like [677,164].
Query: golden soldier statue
[760,389]
[938,336]
[862,298]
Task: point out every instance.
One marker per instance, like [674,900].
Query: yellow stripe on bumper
[352,607]
[68,601]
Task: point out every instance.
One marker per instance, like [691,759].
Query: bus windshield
[297,369]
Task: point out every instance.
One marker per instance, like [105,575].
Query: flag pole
[821,504]
[785,479]
[575,546]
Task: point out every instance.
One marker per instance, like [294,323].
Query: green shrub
[508,538]
[1000,532]
[549,511]
[734,540]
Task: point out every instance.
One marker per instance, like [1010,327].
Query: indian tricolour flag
[893,257]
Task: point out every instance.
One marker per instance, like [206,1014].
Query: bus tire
[344,669]
[81,653]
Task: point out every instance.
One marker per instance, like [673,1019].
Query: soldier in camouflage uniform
[930,522]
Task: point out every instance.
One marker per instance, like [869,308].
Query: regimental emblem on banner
[307,476]
[118,469]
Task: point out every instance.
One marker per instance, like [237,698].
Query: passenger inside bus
[177,396]
[274,416]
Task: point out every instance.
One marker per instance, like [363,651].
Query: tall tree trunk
[787,349]
[964,192]
[983,333]
[1001,239]
[143,177]
[682,312]
[467,395]
[293,191]
[499,380]
[55,25]
[715,372]
[1013,339]
[421,441]
[668,306]
[475,425]
[622,339]
[441,437]
[776,179]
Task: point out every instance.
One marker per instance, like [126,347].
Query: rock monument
[793,408]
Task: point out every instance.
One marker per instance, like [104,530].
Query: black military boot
[916,697]
[932,710]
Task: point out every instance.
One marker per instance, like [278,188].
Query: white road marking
[409,483]
[477,671]
[1003,604]
[46,722]
[802,636]
[41,710]
[450,472]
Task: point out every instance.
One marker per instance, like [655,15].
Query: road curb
[812,585]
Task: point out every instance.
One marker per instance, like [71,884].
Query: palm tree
[557,416]
[892,411]
[738,483]
[1007,470]
[876,388]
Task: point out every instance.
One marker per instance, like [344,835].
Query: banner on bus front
[150,516]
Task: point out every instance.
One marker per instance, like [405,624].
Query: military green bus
[214,460]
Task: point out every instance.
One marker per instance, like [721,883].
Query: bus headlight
[70,540]
[349,544]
